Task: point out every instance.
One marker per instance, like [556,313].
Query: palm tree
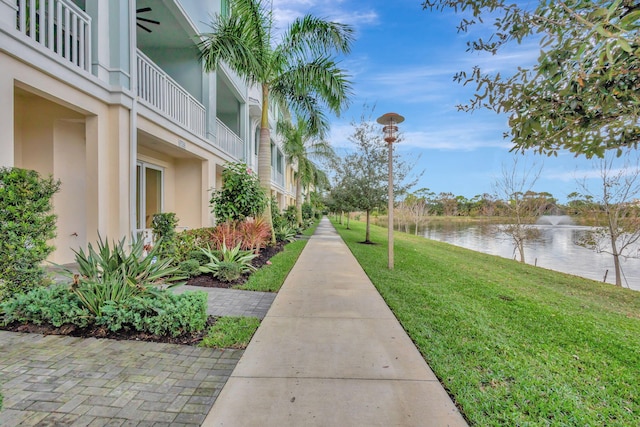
[301,145]
[296,70]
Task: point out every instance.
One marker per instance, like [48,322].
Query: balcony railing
[277,177]
[58,25]
[160,91]
[229,141]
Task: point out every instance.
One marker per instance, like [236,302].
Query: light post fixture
[389,121]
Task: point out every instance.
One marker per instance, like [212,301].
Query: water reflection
[554,250]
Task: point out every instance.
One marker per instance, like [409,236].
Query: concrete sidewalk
[331,353]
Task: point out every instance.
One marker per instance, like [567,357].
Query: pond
[555,249]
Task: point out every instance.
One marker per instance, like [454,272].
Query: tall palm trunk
[264,158]
[299,200]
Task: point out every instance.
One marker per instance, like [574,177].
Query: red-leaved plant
[254,234]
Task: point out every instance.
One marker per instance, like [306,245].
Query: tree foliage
[295,69]
[362,176]
[26,225]
[583,94]
[302,144]
[617,230]
[241,195]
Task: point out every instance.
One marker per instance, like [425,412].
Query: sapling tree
[516,181]
[364,172]
[617,228]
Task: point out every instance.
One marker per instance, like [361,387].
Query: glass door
[149,193]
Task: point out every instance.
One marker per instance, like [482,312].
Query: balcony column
[7,144]
[209,101]
[111,41]
[8,10]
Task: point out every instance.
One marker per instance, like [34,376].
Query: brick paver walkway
[56,380]
[67,381]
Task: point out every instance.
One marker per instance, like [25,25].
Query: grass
[514,345]
[270,278]
[231,332]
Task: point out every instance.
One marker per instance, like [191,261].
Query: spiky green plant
[228,264]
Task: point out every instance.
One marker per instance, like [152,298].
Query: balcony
[163,94]
[228,141]
[58,26]
[277,177]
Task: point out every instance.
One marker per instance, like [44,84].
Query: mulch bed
[205,280]
[102,332]
[208,281]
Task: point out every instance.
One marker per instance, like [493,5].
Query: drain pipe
[133,117]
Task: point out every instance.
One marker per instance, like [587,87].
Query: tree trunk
[367,234]
[264,158]
[348,218]
[298,201]
[616,255]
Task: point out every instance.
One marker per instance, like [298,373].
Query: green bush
[230,264]
[241,195]
[54,305]
[111,274]
[190,267]
[160,313]
[307,211]
[285,233]
[191,240]
[26,225]
[289,215]
[199,256]
[164,231]
[163,313]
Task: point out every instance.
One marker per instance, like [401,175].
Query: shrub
[160,313]
[230,264]
[241,195]
[113,275]
[225,234]
[198,256]
[285,233]
[307,211]
[190,267]
[163,313]
[26,224]
[290,214]
[164,231]
[254,234]
[54,305]
[191,240]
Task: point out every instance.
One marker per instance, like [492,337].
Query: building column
[7,136]
[111,41]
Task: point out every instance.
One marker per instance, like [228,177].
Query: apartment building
[109,96]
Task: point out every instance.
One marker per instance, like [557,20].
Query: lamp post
[389,121]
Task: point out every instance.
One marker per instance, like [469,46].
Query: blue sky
[403,61]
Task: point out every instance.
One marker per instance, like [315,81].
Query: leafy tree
[516,181]
[301,145]
[241,195]
[364,173]
[618,228]
[583,94]
[26,225]
[295,68]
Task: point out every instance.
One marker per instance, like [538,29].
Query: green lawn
[270,278]
[513,344]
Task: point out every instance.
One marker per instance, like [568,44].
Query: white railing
[168,97]
[229,141]
[277,177]
[59,26]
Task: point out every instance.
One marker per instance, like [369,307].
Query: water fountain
[555,220]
